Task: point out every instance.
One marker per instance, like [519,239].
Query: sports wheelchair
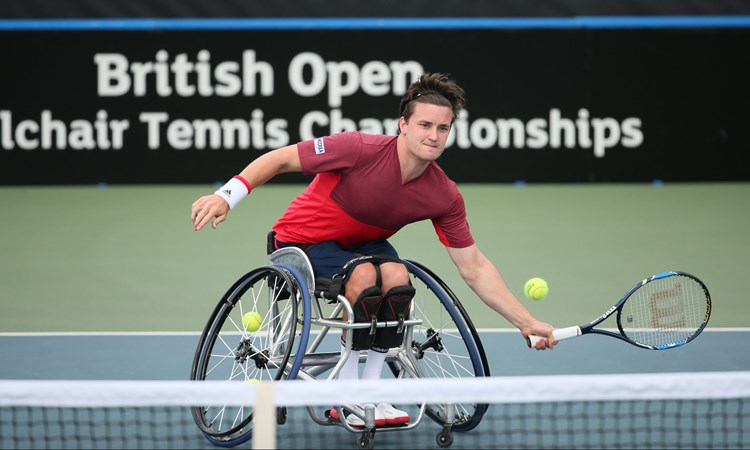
[298,312]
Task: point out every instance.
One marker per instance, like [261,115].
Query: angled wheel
[445,345]
[227,351]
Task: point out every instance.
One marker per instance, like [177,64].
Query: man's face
[427,130]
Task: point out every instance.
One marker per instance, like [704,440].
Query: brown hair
[435,89]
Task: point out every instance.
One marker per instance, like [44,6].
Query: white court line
[708,329]
[198,333]
[100,333]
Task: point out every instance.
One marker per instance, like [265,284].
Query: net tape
[516,389]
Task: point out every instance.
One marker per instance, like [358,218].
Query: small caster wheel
[366,440]
[281,415]
[444,438]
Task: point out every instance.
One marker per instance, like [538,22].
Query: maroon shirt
[357,195]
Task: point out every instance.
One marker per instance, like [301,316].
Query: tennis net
[665,410]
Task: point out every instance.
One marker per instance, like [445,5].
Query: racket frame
[571,332]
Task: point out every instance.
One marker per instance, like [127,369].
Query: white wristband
[233,191]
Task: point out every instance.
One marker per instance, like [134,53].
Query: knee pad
[396,303]
[366,309]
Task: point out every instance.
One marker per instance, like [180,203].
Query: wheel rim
[445,345]
[228,352]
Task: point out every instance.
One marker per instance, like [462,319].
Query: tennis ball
[251,321]
[536,289]
[252,380]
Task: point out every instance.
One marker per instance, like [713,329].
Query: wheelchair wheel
[227,351]
[445,345]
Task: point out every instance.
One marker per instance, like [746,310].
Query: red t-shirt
[357,195]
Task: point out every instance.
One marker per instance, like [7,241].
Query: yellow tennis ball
[252,380]
[536,289]
[251,321]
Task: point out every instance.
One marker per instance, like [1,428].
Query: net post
[264,412]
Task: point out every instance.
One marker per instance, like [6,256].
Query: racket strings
[665,312]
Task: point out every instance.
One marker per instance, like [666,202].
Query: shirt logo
[320,148]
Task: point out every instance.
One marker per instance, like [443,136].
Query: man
[366,188]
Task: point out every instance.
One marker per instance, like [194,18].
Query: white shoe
[355,421]
[392,415]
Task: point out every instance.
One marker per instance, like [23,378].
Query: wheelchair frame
[285,294]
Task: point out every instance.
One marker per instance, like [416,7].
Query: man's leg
[327,259]
[366,302]
[396,303]
[359,288]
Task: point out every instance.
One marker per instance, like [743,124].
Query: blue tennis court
[93,357]
[168,356]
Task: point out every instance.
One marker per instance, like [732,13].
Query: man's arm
[262,169]
[483,278]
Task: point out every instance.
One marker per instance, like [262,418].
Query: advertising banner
[195,106]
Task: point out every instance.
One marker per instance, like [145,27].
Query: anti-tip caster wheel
[281,415]
[444,438]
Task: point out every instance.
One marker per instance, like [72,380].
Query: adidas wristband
[234,190]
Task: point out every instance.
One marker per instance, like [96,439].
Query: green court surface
[126,258]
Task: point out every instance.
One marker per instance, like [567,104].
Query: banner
[373,8]
[569,105]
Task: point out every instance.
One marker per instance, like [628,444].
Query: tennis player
[366,188]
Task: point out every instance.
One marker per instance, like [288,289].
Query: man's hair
[435,89]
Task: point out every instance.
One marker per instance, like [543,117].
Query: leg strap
[396,303]
[366,311]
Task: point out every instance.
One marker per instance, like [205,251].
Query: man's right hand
[209,207]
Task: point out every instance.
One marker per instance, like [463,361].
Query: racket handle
[559,335]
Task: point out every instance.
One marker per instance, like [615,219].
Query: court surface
[125,259]
[137,356]
[112,283]
[169,356]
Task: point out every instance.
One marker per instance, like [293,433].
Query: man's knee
[360,278]
[393,274]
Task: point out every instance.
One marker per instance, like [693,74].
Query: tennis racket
[661,312]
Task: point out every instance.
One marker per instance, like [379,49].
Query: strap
[396,304]
[366,309]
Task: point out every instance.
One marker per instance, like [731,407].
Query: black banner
[78,9]
[544,105]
